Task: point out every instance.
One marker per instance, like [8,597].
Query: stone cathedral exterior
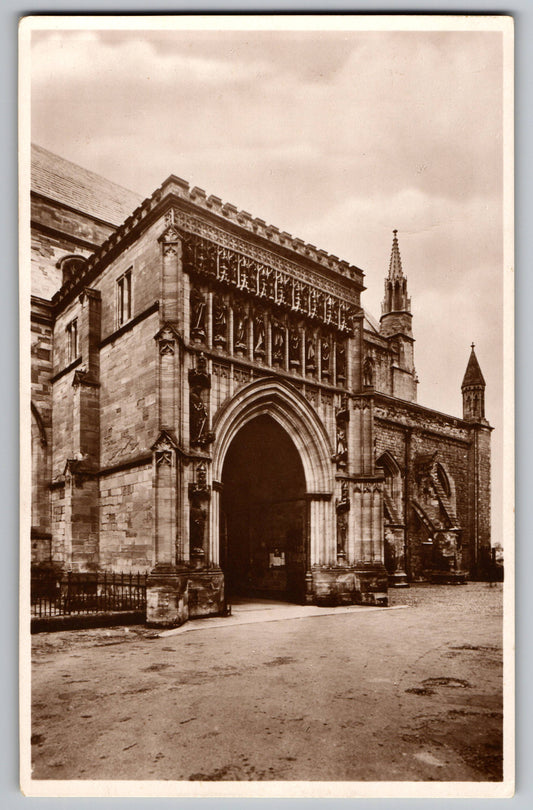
[211,404]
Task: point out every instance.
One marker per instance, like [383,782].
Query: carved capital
[170,236]
[164,449]
[166,338]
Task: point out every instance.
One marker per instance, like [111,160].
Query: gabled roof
[473,375]
[65,182]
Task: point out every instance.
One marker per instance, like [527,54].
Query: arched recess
[284,404]
[393,485]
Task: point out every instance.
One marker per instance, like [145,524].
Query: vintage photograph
[267,474]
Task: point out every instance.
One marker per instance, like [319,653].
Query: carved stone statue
[197,314]
[310,364]
[325,351]
[198,416]
[341,361]
[220,321]
[342,444]
[198,518]
[368,372]
[294,347]
[278,342]
[342,531]
[259,334]
[240,323]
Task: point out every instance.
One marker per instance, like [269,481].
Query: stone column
[167,591]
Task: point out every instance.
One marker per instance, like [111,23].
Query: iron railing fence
[75,593]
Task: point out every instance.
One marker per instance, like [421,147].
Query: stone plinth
[206,593]
[167,602]
[371,584]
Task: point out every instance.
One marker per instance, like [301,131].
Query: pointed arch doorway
[263,514]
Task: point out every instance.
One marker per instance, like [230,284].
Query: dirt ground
[406,694]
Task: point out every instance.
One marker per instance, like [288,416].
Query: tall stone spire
[396,327]
[396,299]
[473,390]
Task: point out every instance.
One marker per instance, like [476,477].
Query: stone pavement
[356,694]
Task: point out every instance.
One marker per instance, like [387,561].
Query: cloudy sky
[335,137]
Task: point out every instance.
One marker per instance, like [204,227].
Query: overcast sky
[335,137]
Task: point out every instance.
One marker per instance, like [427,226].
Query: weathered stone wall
[143,256]
[418,432]
[60,515]
[126,519]
[128,394]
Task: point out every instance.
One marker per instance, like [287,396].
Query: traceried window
[72,340]
[124,298]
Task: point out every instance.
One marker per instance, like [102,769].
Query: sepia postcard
[267,473]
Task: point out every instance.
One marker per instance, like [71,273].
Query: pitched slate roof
[87,192]
[473,375]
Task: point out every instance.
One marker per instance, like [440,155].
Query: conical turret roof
[395,265]
[473,375]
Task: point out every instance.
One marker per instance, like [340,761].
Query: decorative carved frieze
[221,370]
[242,375]
[270,279]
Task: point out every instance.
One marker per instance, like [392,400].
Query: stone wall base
[350,585]
[206,593]
[167,602]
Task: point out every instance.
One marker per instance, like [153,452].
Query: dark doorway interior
[263,520]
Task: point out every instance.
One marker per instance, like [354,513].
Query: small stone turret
[396,326]
[473,389]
